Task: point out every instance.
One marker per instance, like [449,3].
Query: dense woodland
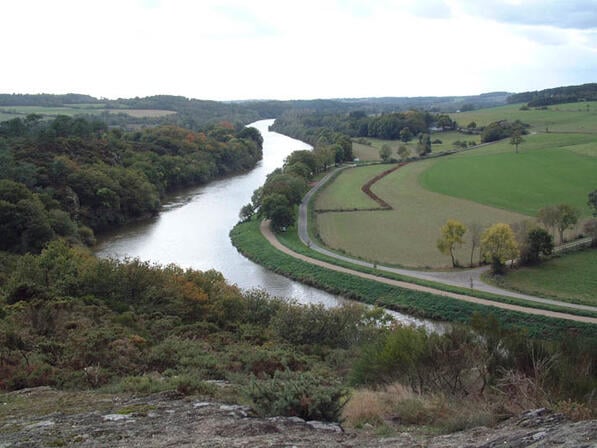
[70,177]
[558,95]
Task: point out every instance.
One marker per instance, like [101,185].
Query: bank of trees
[285,187]
[71,176]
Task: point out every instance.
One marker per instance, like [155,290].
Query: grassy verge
[290,239]
[248,240]
[571,278]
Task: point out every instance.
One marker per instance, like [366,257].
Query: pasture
[548,170]
[571,117]
[406,235]
[570,278]
[485,185]
[9,112]
[345,192]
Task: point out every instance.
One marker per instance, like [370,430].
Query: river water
[192,230]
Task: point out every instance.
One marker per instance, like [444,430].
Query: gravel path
[267,233]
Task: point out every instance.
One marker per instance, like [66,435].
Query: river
[192,229]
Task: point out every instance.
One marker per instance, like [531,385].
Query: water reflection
[192,230]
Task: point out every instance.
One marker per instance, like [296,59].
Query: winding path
[462,279]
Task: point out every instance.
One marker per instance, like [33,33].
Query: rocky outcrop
[170,420]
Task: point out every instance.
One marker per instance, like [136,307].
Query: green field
[345,192]
[9,112]
[548,170]
[570,278]
[485,185]
[572,117]
[370,152]
[406,235]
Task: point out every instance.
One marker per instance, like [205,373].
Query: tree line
[285,187]
[70,177]
[526,242]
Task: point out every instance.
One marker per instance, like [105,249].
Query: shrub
[297,394]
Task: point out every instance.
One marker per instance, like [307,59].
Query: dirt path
[267,233]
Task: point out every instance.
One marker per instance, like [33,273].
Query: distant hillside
[196,114]
[558,95]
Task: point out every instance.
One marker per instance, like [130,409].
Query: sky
[300,49]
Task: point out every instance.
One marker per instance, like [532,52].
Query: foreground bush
[299,394]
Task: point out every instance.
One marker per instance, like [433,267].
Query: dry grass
[397,406]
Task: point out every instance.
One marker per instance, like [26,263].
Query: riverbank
[248,239]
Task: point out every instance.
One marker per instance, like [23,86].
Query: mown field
[572,117]
[485,185]
[570,278]
[548,170]
[406,235]
[345,193]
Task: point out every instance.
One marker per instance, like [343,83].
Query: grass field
[548,170]
[371,152]
[345,192]
[9,112]
[572,117]
[406,235]
[485,185]
[570,278]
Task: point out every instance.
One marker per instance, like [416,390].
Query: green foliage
[297,394]
[68,173]
[539,242]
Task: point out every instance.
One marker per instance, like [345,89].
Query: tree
[516,139]
[499,245]
[451,237]
[246,212]
[406,135]
[593,201]
[539,242]
[559,217]
[567,218]
[475,230]
[403,152]
[385,152]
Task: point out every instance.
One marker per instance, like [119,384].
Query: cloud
[577,14]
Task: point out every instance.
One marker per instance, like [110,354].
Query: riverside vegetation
[75,322]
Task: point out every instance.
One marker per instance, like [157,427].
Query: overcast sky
[233,49]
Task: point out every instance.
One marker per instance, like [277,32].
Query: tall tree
[451,237]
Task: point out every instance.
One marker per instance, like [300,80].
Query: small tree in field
[385,152]
[451,237]
[516,139]
[499,245]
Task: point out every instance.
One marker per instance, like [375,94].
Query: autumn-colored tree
[498,246]
[451,237]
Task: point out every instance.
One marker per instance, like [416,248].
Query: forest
[70,177]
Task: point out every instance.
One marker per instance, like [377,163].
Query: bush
[297,394]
